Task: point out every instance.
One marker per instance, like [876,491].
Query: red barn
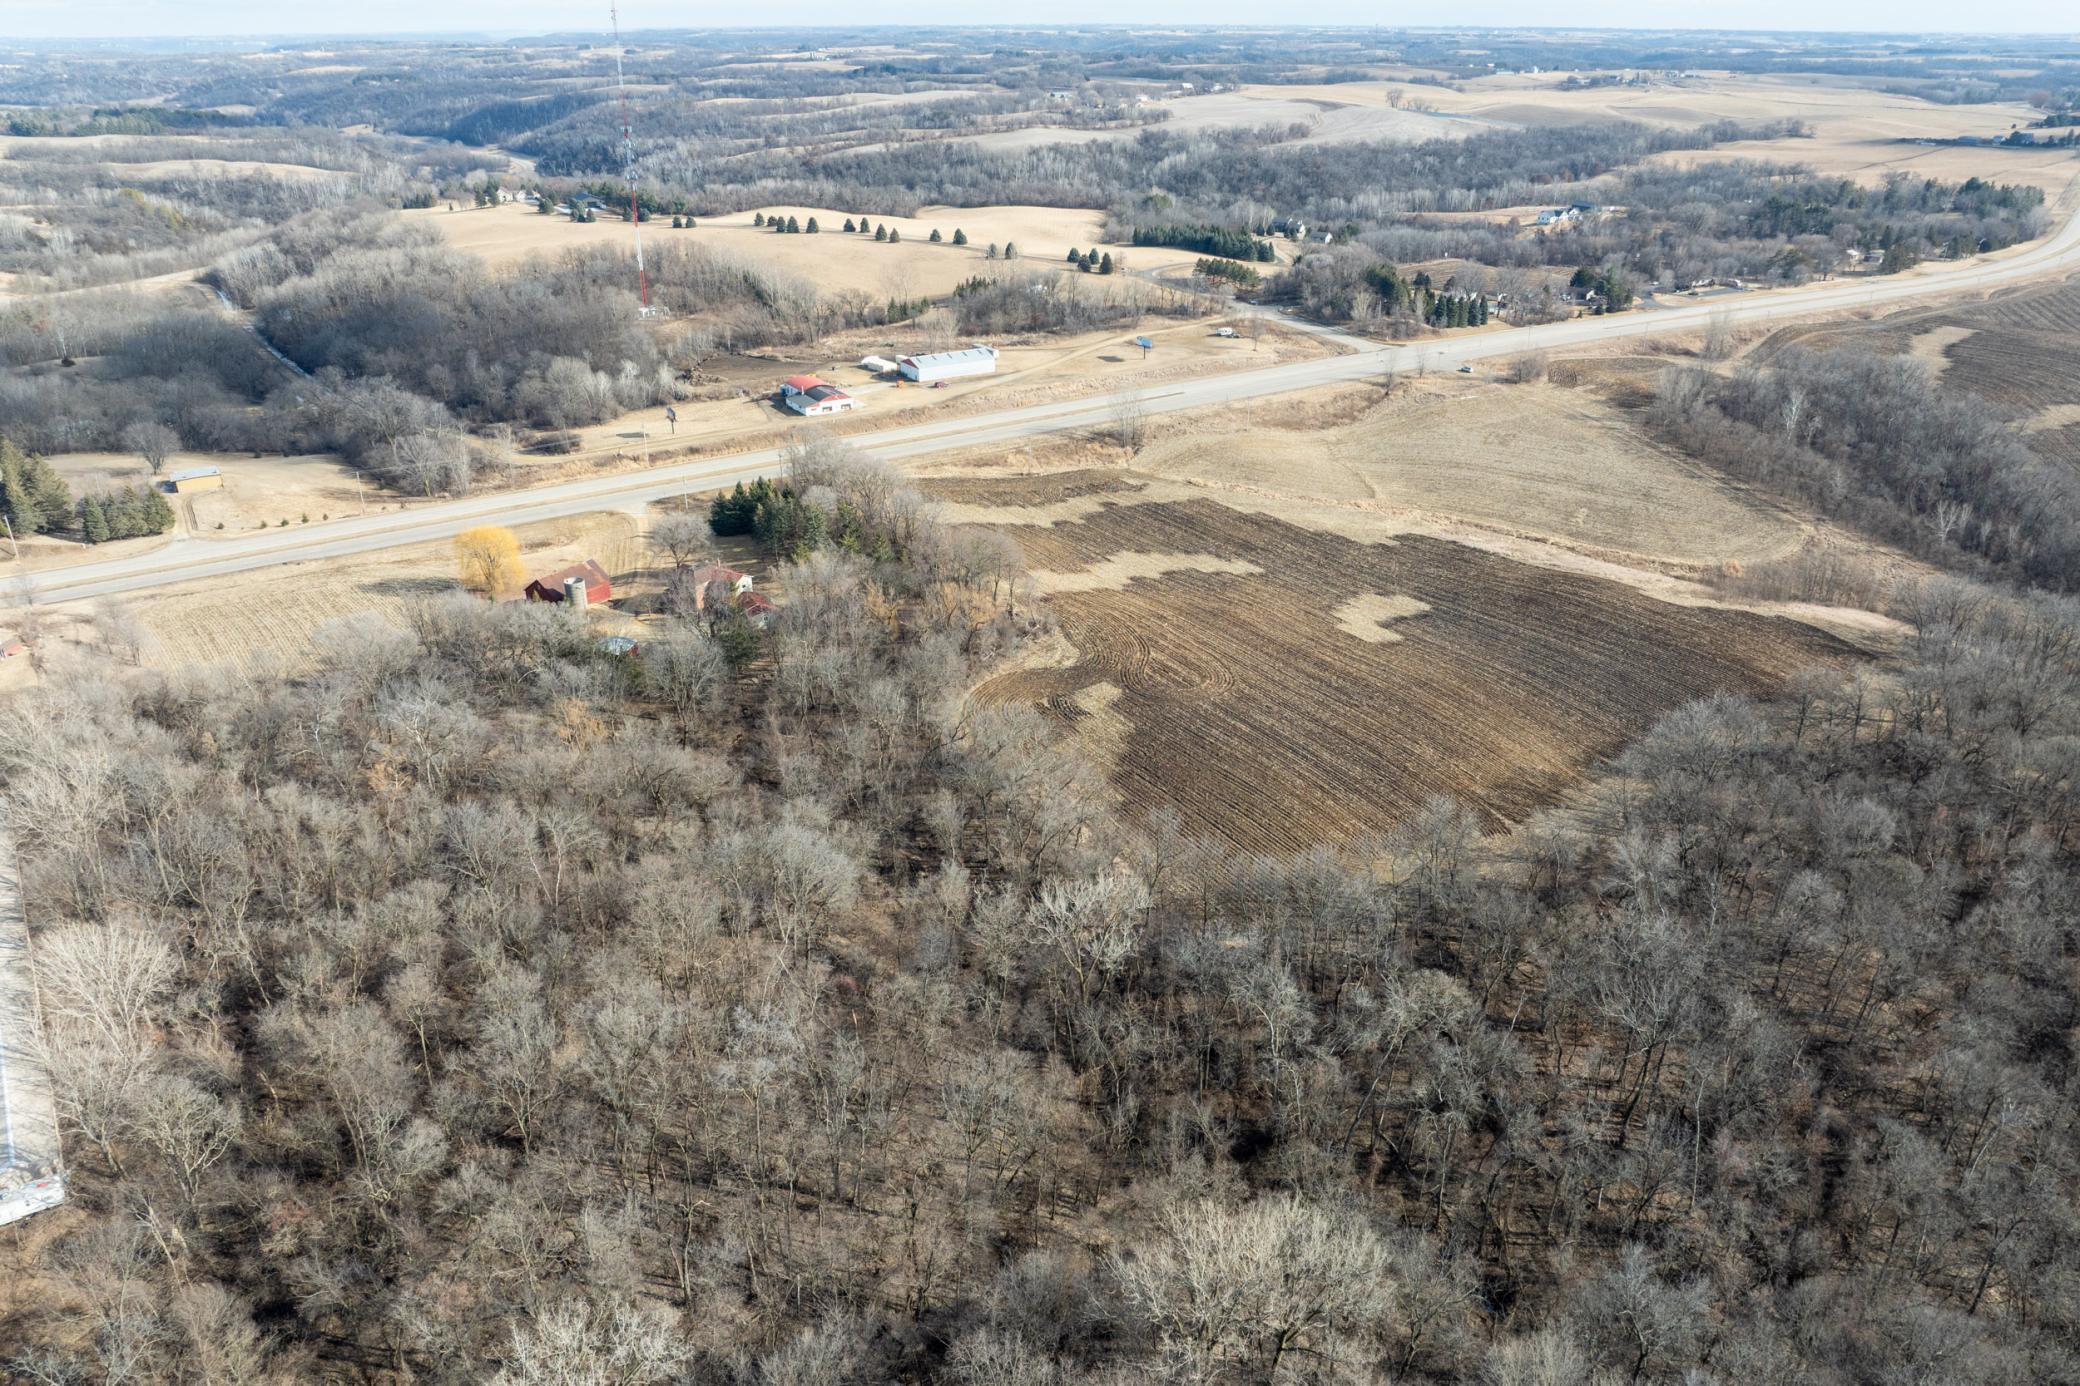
[549,587]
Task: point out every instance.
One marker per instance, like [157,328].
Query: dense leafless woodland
[1869,438]
[480,1005]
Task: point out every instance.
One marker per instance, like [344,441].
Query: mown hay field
[1237,692]
[831,260]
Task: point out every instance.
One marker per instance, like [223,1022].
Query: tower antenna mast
[628,162]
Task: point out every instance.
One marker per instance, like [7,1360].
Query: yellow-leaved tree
[488,560]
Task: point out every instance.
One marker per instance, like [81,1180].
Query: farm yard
[1217,668]
[273,619]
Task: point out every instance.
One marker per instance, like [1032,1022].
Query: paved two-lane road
[190,559]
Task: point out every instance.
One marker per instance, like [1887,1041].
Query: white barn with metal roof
[949,365]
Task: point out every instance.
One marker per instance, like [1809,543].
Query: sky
[154,18]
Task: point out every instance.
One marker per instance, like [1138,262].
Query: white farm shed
[949,365]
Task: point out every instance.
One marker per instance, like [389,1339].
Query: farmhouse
[551,587]
[196,479]
[717,585]
[806,394]
[949,365]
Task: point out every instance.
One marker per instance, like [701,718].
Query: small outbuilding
[879,365]
[196,479]
[551,587]
[756,608]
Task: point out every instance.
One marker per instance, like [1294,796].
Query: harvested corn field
[1249,702]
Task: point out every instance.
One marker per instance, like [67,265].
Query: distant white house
[949,365]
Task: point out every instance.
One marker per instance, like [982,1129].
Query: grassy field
[1281,687]
[1856,131]
[1535,461]
[831,260]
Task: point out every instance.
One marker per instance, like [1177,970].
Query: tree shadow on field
[1115,360]
[412,587]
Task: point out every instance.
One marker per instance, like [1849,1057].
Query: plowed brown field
[1246,702]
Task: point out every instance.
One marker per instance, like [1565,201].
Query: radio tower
[628,165]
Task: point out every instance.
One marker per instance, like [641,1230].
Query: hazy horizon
[103,20]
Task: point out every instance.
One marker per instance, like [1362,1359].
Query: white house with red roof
[807,394]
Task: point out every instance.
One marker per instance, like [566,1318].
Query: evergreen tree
[848,223]
[881,232]
[737,512]
[812,228]
[1075,256]
[1011,250]
[758,218]
[158,511]
[16,505]
[936,237]
[124,522]
[794,227]
[787,528]
[33,496]
[960,237]
[992,254]
[895,234]
[93,522]
[675,223]
[1105,263]
[863,228]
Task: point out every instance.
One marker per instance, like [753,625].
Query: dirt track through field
[1246,704]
